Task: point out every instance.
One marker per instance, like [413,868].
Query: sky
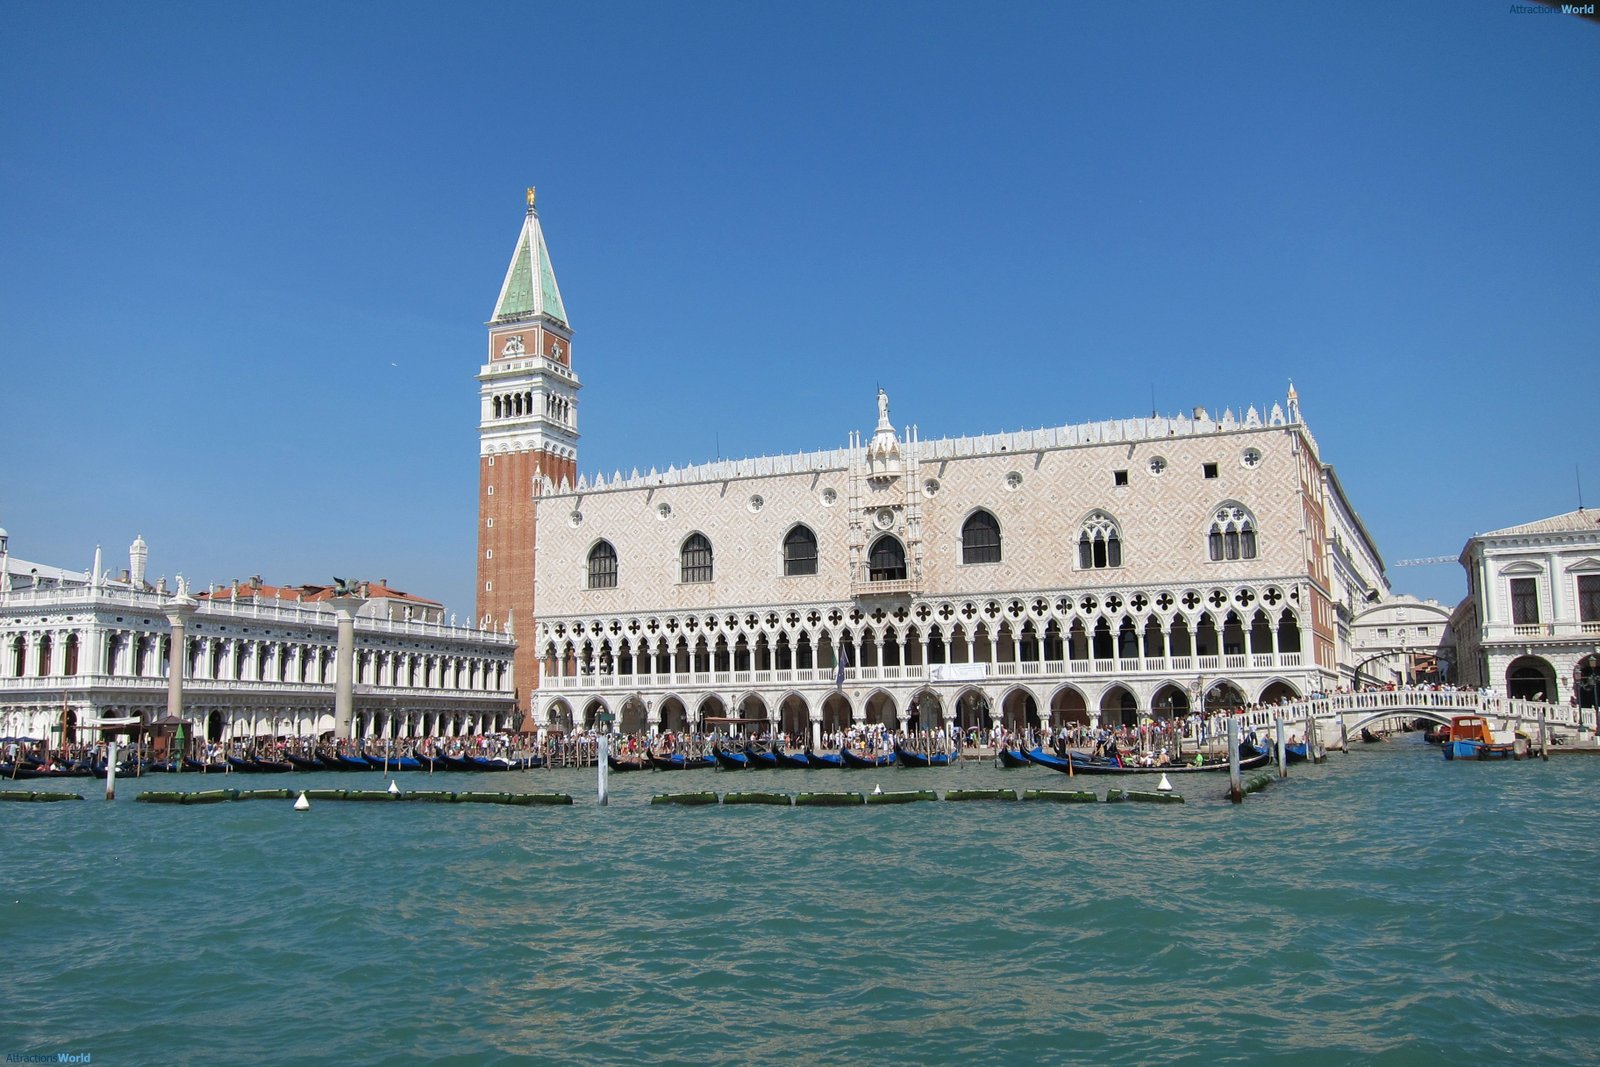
[247,251]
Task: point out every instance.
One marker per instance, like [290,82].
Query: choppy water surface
[1388,907]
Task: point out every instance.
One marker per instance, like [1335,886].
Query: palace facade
[1530,624]
[82,652]
[1090,572]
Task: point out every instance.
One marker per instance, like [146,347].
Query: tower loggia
[527,433]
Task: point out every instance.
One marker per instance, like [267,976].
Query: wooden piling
[111,771]
[1283,752]
[1235,786]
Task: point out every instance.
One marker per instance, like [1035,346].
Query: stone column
[345,608]
[178,611]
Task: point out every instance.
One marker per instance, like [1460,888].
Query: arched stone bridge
[1356,710]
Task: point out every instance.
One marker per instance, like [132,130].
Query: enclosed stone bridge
[1352,711]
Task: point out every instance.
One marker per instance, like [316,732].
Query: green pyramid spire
[530,287]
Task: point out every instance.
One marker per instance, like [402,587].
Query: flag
[844,661]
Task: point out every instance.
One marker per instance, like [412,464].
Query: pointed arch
[980,538]
[603,566]
[694,559]
[886,560]
[1232,534]
[799,551]
[1099,542]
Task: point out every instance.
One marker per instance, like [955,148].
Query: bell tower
[527,432]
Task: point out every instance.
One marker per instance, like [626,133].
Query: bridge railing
[1444,702]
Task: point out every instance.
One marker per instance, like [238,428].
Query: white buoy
[302,804]
[877,790]
[1165,786]
[394,790]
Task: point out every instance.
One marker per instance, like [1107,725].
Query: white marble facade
[80,648]
[700,615]
[1530,624]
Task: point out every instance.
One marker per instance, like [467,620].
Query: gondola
[432,763]
[621,765]
[1249,758]
[257,766]
[10,771]
[730,761]
[863,761]
[793,761]
[1295,751]
[760,760]
[1012,757]
[908,758]
[393,763]
[1371,738]
[219,767]
[340,762]
[301,763]
[826,760]
[677,761]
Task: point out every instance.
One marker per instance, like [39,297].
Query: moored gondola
[301,763]
[825,760]
[730,761]
[864,760]
[677,761]
[1012,757]
[793,761]
[909,758]
[632,763]
[760,759]
[392,763]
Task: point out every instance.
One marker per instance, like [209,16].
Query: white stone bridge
[1355,710]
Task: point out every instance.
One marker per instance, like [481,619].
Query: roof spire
[530,288]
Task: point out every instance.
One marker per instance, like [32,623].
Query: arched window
[980,539]
[1099,543]
[800,552]
[1232,534]
[603,566]
[886,561]
[695,559]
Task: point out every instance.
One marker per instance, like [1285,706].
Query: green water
[1386,907]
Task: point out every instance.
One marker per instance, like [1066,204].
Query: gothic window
[695,559]
[1099,542]
[887,560]
[800,552]
[1232,534]
[980,539]
[603,566]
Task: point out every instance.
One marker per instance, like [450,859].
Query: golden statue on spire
[530,197]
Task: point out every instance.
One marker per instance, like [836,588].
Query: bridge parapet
[1357,709]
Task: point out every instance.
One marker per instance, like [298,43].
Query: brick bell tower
[527,431]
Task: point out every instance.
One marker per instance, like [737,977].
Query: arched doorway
[927,712]
[1068,708]
[881,709]
[1586,681]
[1278,692]
[972,710]
[1530,678]
[631,719]
[1119,707]
[672,715]
[794,719]
[1171,701]
[836,717]
[1019,711]
[1224,696]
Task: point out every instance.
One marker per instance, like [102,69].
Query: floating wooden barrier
[980,794]
[1062,796]
[781,799]
[689,799]
[267,794]
[902,796]
[1141,797]
[1258,783]
[829,800]
[217,796]
[31,795]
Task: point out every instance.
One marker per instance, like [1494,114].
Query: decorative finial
[530,198]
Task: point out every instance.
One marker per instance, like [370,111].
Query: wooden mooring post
[111,771]
[1544,738]
[1283,753]
[1235,782]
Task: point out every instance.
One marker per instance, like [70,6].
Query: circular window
[1251,458]
[576,518]
[930,487]
[829,498]
[663,510]
[1158,465]
[756,503]
[1014,480]
[884,518]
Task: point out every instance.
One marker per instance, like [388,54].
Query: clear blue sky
[246,251]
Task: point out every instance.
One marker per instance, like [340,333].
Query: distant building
[78,649]
[1402,641]
[1090,572]
[1530,624]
